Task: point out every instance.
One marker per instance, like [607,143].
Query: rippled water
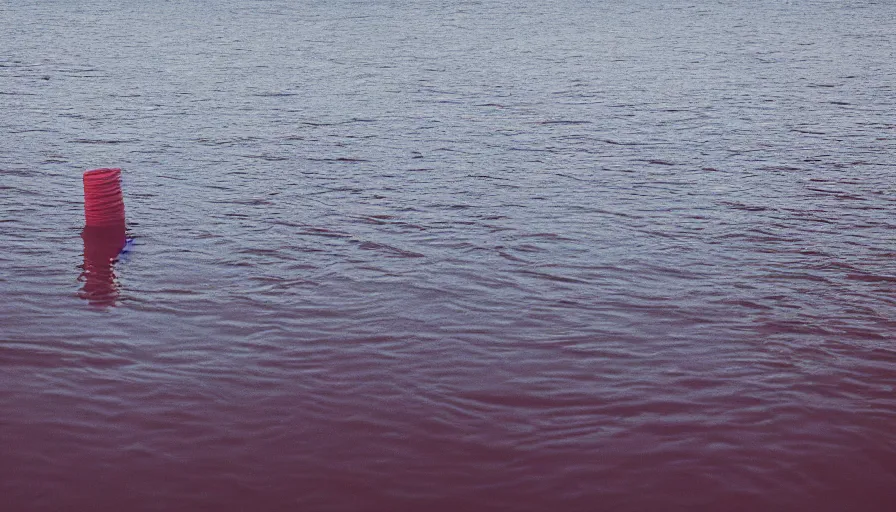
[496,255]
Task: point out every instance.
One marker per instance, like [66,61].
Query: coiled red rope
[103,203]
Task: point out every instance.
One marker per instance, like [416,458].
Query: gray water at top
[391,255]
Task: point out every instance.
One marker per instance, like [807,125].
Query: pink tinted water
[464,256]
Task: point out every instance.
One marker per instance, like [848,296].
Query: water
[567,255]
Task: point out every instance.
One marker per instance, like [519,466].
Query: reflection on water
[102,245]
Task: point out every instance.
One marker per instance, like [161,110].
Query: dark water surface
[394,255]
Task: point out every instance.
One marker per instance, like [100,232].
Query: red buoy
[103,203]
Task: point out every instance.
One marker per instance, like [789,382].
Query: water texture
[392,255]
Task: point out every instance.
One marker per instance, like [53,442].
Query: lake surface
[393,255]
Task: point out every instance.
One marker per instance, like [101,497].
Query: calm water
[393,255]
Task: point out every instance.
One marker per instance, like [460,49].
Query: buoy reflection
[102,245]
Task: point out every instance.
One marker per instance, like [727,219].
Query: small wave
[103,141]
[390,250]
